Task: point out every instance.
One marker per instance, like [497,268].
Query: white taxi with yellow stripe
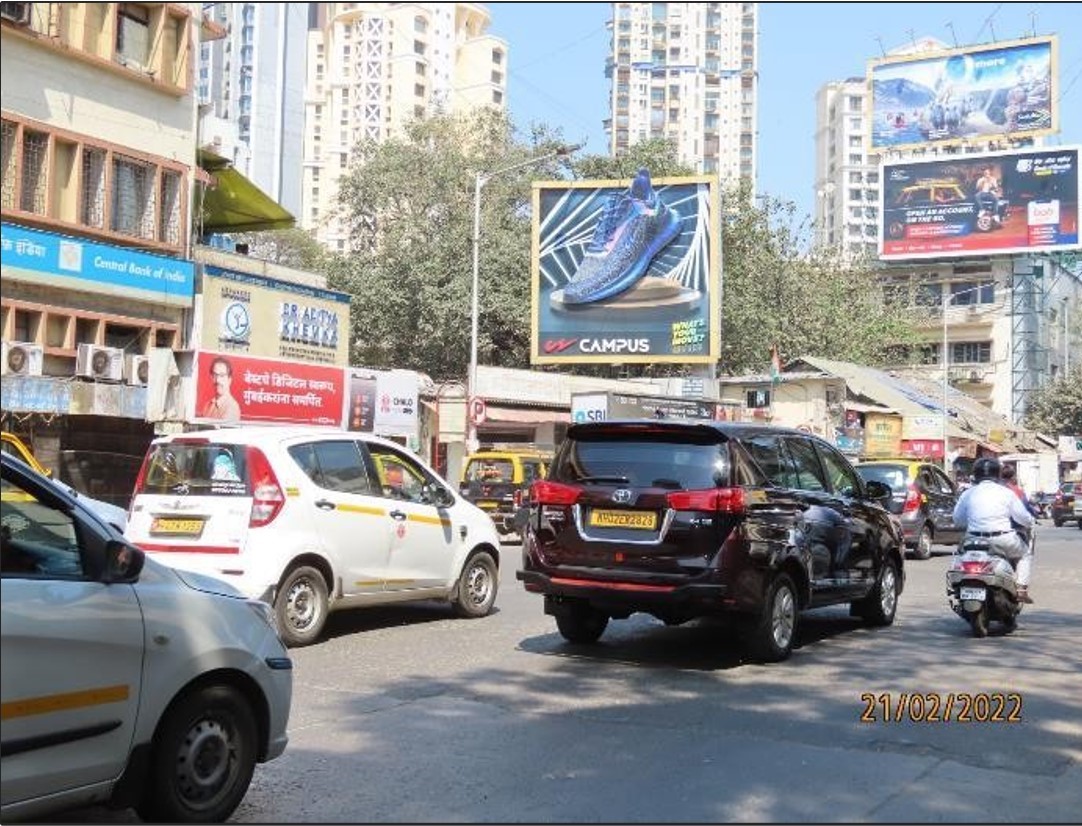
[313,520]
[124,681]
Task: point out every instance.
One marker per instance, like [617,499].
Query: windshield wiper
[618,480]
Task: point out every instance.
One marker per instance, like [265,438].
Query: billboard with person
[994,202]
[626,272]
[231,388]
[976,93]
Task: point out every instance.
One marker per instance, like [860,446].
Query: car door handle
[397,515]
[325,505]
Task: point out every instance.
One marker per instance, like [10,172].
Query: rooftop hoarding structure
[973,94]
[626,272]
[1021,201]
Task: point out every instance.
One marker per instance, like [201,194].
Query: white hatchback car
[125,682]
[312,520]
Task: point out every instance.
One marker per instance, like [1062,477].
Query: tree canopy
[1056,409]
[410,200]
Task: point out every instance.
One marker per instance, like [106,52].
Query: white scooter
[982,588]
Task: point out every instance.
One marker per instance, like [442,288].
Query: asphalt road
[410,715]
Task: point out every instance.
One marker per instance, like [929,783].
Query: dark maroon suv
[683,520]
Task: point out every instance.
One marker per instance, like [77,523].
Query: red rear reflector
[553,493]
[153,547]
[719,500]
[190,440]
[976,567]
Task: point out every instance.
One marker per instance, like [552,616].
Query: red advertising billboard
[234,388]
[626,271]
[1023,200]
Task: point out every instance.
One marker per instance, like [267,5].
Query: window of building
[169,212]
[419,47]
[967,293]
[35,175]
[757,398]
[856,103]
[971,352]
[854,194]
[133,34]
[497,97]
[497,57]
[856,158]
[420,25]
[133,197]
[419,90]
[855,177]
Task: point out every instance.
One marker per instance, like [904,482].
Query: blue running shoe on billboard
[634,228]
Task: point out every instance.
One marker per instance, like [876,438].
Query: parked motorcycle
[982,588]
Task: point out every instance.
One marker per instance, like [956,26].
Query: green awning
[232,203]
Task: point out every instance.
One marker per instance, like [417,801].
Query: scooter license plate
[973,593]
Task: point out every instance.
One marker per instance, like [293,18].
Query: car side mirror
[123,562]
[877,491]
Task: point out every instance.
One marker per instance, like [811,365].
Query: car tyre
[477,586]
[770,637]
[923,549]
[202,758]
[581,624]
[301,606]
[881,605]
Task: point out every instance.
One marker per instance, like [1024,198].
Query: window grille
[92,197]
[133,197]
[169,213]
[35,171]
[10,166]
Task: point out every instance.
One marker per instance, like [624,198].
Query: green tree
[409,203]
[656,154]
[290,247]
[808,303]
[1056,409]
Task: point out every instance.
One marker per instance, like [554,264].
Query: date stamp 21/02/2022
[931,707]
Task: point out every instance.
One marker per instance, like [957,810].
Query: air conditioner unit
[100,363]
[21,359]
[137,370]
[17,13]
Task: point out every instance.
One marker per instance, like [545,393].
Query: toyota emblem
[623,496]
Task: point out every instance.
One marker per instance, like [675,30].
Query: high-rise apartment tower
[687,72]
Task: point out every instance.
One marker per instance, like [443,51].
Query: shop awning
[232,203]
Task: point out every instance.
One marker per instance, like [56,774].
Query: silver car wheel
[478,584]
[888,591]
[783,619]
[301,605]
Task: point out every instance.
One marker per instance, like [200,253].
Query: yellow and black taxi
[498,479]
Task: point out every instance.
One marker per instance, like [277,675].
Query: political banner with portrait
[975,93]
[232,389]
[626,272]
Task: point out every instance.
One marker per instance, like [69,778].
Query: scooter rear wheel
[978,621]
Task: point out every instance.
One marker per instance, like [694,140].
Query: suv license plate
[640,520]
[177,527]
[972,593]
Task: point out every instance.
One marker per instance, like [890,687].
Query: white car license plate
[973,593]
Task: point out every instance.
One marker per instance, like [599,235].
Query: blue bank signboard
[78,263]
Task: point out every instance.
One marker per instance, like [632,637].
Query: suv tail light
[913,499]
[553,493]
[719,500]
[267,495]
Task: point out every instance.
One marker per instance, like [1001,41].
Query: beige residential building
[687,72]
[374,67]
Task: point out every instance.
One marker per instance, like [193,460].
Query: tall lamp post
[482,179]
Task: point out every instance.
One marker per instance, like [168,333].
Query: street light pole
[480,180]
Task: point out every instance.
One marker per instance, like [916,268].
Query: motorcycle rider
[987,510]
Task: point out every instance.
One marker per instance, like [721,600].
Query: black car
[690,519]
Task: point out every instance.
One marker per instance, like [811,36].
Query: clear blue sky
[558,50]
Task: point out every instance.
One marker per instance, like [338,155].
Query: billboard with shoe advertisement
[975,93]
[626,272]
[996,202]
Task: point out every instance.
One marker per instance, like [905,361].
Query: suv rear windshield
[202,469]
[667,461]
[490,470]
[892,475]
